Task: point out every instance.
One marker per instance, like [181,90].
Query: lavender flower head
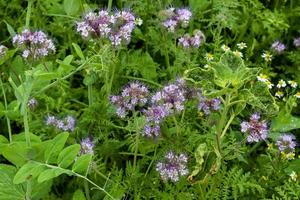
[34,44]
[86,146]
[66,124]
[115,27]
[173,167]
[3,50]
[278,47]
[208,105]
[297,42]
[195,41]
[286,143]
[135,94]
[257,130]
[151,130]
[32,103]
[175,17]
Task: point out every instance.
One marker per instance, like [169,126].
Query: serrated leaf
[71,7]
[55,147]
[29,170]
[78,51]
[51,173]
[82,163]
[68,155]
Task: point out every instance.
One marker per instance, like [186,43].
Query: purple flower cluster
[286,143]
[257,130]
[173,167]
[195,41]
[176,17]
[208,105]
[32,103]
[135,94]
[278,47]
[34,44]
[3,50]
[66,124]
[86,146]
[297,42]
[115,27]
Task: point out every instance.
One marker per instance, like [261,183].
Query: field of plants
[142,99]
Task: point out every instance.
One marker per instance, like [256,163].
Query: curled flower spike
[278,47]
[32,103]
[86,146]
[34,44]
[176,17]
[116,27]
[173,167]
[195,41]
[257,130]
[66,124]
[286,143]
[297,42]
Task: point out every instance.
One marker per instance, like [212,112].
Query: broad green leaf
[29,170]
[78,51]
[55,147]
[8,190]
[285,122]
[82,163]
[78,195]
[16,153]
[68,155]
[10,29]
[50,174]
[71,7]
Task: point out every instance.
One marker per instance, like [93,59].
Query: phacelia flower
[86,146]
[115,27]
[267,56]
[173,167]
[279,94]
[281,84]
[151,130]
[32,103]
[135,94]
[195,41]
[208,105]
[241,45]
[3,50]
[278,47]
[297,42]
[297,95]
[293,84]
[34,44]
[286,143]
[66,124]
[176,17]
[225,48]
[257,130]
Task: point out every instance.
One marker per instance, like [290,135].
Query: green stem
[109,5]
[227,125]
[7,119]
[26,127]
[90,94]
[86,184]
[28,14]
[28,190]
[137,140]
[176,126]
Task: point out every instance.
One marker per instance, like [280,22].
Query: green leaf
[285,122]
[82,163]
[29,170]
[78,195]
[68,155]
[10,29]
[51,173]
[71,7]
[8,190]
[16,153]
[55,147]
[78,51]
[199,155]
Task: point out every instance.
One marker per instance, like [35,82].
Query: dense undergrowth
[145,99]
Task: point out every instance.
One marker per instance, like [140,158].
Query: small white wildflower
[279,94]
[293,84]
[206,66]
[209,56]
[281,84]
[294,176]
[138,21]
[269,84]
[241,45]
[225,48]
[267,56]
[238,54]
[262,78]
[297,95]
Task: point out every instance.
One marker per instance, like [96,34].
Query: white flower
[293,84]
[262,78]
[242,45]
[279,94]
[225,48]
[294,176]
[138,21]
[297,95]
[238,54]
[281,84]
[209,56]
[269,84]
[267,56]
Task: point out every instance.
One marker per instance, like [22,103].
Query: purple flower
[34,44]
[278,47]
[3,50]
[86,146]
[173,167]
[51,120]
[286,143]
[257,130]
[297,42]
[151,130]
[32,103]
[66,124]
[187,41]
[208,105]
[183,15]
[176,17]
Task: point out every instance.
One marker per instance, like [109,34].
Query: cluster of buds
[86,146]
[278,47]
[173,167]
[116,27]
[286,145]
[34,44]
[208,105]
[257,130]
[135,94]
[176,17]
[194,41]
[66,124]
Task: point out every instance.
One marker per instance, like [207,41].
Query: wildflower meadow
[166,99]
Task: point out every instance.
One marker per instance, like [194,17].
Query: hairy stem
[109,5]
[28,14]
[26,127]
[7,119]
